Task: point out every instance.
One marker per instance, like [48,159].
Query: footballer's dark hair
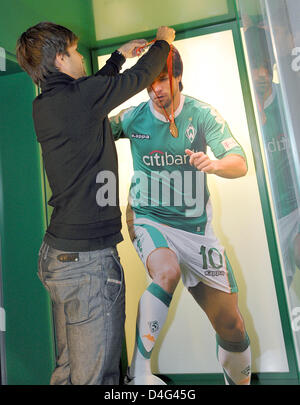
[177,65]
[257,48]
[37,48]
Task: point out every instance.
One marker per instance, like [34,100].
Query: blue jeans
[87,291]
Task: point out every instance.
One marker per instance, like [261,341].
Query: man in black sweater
[78,260]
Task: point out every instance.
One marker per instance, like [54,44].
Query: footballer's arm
[230,166]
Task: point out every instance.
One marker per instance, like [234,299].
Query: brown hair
[257,48]
[38,46]
[177,65]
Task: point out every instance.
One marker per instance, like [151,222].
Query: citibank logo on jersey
[159,158]
[278,144]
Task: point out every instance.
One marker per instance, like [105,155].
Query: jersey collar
[160,116]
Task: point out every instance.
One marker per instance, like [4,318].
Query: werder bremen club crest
[190,133]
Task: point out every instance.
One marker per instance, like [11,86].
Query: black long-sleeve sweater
[71,124]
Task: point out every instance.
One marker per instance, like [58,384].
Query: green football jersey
[277,147]
[165,187]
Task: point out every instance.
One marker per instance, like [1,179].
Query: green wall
[18,15]
[29,345]
[23,218]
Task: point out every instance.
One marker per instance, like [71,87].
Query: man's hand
[165,33]
[129,50]
[231,166]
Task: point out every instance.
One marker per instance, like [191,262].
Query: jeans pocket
[73,294]
[114,283]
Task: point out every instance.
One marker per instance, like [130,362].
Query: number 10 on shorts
[211,256]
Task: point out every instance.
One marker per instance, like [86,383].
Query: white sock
[235,358]
[152,314]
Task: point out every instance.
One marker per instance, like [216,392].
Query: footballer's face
[262,79]
[160,92]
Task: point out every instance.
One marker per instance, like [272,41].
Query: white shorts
[201,258]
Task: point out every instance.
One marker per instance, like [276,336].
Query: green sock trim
[233,346]
[231,279]
[160,293]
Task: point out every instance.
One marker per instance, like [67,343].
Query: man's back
[76,146]
[71,124]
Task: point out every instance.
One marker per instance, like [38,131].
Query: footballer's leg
[233,351]
[163,268]
[153,307]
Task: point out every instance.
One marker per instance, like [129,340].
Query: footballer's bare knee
[229,326]
[164,269]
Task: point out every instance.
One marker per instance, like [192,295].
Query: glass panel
[3,71]
[210,73]
[271,31]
